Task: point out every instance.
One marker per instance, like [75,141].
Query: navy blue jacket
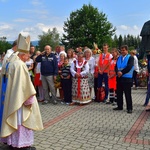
[49,64]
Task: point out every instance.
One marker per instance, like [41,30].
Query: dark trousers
[135,78]
[147,99]
[95,85]
[101,78]
[67,89]
[124,87]
[147,95]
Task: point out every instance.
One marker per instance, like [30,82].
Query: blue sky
[32,17]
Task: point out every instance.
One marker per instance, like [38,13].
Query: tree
[49,38]
[86,26]
[120,41]
[130,40]
[115,41]
[138,39]
[4,45]
[125,40]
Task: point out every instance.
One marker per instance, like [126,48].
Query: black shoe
[28,148]
[129,111]
[147,110]
[45,102]
[24,148]
[108,102]
[54,102]
[10,147]
[117,108]
[114,103]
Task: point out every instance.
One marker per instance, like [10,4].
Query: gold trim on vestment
[23,51]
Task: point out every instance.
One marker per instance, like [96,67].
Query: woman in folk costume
[80,88]
[21,111]
[112,77]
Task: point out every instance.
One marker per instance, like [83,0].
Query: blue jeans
[101,78]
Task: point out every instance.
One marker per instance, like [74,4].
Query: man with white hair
[49,71]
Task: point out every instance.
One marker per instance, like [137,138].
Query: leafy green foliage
[4,45]
[49,38]
[133,42]
[86,26]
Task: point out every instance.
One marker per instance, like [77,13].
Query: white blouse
[83,73]
[91,63]
[136,64]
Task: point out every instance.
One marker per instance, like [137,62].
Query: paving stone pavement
[95,126]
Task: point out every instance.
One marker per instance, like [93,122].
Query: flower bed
[142,77]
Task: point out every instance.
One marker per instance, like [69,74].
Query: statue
[145,43]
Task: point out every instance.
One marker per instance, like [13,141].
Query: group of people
[116,72]
[74,74]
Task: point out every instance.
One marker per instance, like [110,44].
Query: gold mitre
[23,44]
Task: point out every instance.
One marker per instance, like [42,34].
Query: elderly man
[49,71]
[21,113]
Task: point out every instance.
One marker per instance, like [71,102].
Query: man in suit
[124,70]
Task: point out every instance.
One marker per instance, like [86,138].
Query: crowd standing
[72,73]
[83,68]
